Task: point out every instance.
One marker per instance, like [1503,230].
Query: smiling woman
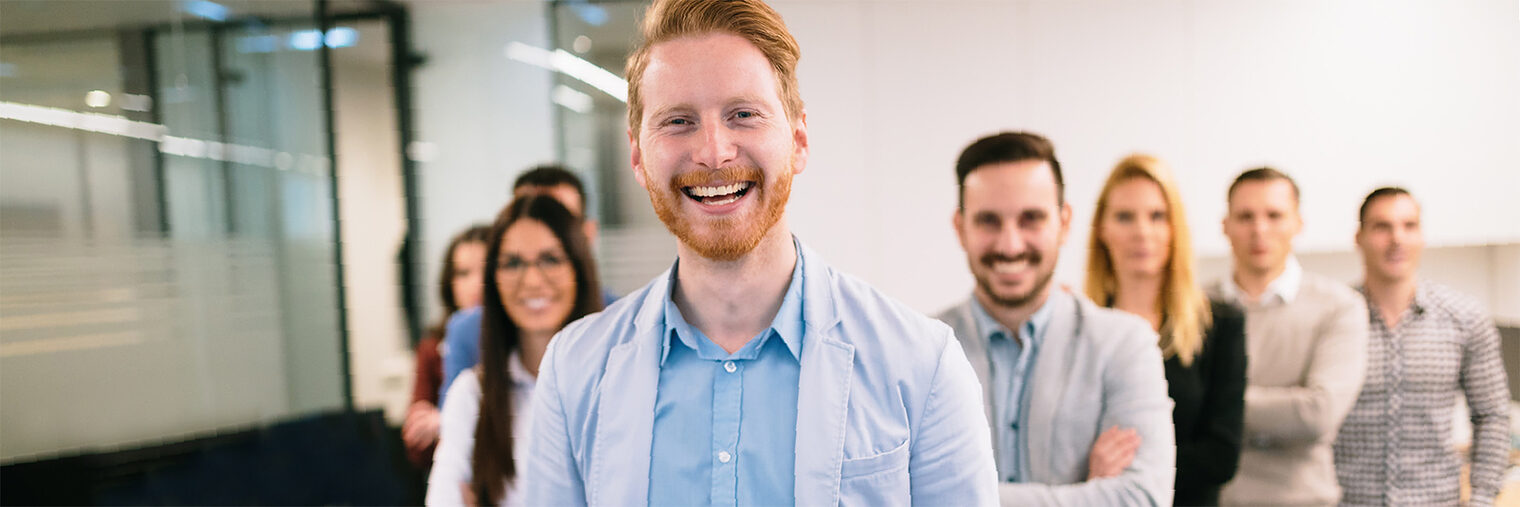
[540,277]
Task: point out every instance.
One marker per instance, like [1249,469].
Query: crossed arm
[1313,412]
[1134,396]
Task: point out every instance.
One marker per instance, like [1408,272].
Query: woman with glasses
[1140,260]
[540,277]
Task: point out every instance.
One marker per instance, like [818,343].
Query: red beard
[724,238]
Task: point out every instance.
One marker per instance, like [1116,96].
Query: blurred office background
[221,221]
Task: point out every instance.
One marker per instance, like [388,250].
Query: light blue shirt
[1010,360]
[889,412]
[725,424]
[461,347]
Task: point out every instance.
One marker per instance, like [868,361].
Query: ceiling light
[97,99]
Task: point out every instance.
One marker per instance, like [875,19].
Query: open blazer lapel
[827,367]
[1047,386]
[620,472]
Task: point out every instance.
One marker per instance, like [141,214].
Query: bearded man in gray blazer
[1076,396]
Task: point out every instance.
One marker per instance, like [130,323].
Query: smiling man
[1429,346]
[751,372]
[1076,394]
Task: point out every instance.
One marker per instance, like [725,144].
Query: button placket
[728,393]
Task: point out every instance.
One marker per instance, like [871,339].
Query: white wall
[486,118]
[1345,96]
[372,210]
[1504,288]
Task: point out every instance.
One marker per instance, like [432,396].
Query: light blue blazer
[889,411]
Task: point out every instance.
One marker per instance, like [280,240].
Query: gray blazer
[1095,368]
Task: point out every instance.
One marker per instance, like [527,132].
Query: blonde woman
[1140,260]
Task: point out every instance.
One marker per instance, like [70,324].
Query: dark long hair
[492,457]
[475,234]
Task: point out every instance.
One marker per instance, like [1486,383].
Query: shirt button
[729,366]
[724,456]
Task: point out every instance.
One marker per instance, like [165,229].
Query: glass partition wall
[592,132]
[167,238]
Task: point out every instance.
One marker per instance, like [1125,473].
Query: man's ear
[635,158]
[1065,221]
[591,228]
[958,222]
[800,144]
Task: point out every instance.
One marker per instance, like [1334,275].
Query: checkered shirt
[1395,446]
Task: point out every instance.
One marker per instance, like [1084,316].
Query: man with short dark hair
[751,372]
[1429,345]
[1306,336]
[1076,394]
[560,183]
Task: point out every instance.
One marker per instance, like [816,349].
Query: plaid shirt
[1395,448]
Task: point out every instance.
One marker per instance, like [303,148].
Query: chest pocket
[876,480]
[877,449]
[880,463]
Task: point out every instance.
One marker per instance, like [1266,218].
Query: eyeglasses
[512,268]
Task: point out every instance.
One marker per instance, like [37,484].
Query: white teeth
[1009,267]
[723,201]
[536,303]
[715,191]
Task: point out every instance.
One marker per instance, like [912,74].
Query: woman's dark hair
[475,234]
[492,458]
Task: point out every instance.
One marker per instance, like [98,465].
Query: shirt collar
[1033,328]
[519,373]
[1282,290]
[1422,298]
[788,322]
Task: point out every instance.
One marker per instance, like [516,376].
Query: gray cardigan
[1095,368]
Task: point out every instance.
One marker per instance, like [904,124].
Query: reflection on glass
[634,244]
[166,238]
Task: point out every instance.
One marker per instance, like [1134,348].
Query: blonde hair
[756,22]
[1184,307]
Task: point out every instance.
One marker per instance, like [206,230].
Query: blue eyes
[739,115]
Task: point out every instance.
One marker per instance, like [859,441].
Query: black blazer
[1210,406]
